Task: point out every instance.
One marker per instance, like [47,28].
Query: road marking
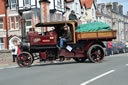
[126,64]
[95,78]
[1,68]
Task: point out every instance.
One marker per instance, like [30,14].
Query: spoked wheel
[79,59]
[95,53]
[24,59]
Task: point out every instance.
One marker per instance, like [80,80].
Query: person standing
[110,48]
[72,16]
[14,51]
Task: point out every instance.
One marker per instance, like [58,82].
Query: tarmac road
[112,71]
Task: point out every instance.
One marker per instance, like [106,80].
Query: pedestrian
[110,48]
[14,51]
[72,16]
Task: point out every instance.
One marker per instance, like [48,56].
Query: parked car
[106,48]
[115,49]
[126,46]
[122,47]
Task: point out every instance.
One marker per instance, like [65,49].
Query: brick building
[13,22]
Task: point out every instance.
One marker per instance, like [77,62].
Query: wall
[5,57]
[91,14]
[2,7]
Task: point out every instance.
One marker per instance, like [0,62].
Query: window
[17,22]
[76,7]
[58,17]
[28,23]
[27,3]
[35,18]
[59,3]
[13,4]
[1,23]
[92,12]
[1,43]
[12,23]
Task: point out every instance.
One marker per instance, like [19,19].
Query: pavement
[6,59]
[5,63]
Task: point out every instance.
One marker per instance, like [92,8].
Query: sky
[120,2]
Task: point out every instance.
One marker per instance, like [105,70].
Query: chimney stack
[45,11]
[115,6]
[102,7]
[109,6]
[121,9]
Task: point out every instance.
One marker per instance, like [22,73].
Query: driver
[66,36]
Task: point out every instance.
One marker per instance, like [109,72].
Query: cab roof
[55,23]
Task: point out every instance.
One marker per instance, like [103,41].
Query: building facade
[112,14]
[57,9]
[90,7]
[13,22]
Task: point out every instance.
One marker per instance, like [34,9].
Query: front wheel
[95,53]
[24,59]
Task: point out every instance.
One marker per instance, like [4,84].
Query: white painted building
[57,9]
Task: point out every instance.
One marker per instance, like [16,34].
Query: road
[112,71]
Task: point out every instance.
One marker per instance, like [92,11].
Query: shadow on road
[59,63]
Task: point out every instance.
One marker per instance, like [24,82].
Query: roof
[87,3]
[55,23]
[69,0]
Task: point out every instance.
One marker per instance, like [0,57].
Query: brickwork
[2,7]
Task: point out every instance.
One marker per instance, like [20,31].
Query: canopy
[95,26]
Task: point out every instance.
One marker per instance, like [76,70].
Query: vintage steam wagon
[84,45]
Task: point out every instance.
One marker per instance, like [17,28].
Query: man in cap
[72,16]
[66,36]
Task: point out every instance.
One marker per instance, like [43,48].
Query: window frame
[17,22]
[27,21]
[27,5]
[11,23]
[13,8]
[2,23]
[2,47]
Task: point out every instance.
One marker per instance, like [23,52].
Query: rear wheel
[95,53]
[24,59]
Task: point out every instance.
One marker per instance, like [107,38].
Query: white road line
[95,78]
[1,68]
[126,64]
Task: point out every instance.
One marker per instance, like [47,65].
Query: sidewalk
[6,59]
